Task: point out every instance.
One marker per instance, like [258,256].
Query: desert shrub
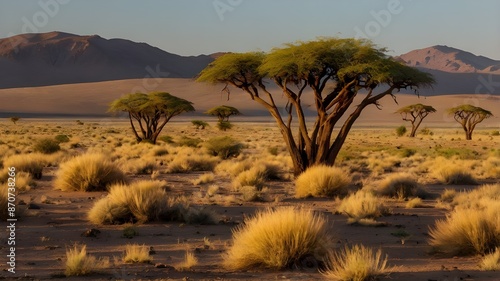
[256,176]
[189,142]
[251,194]
[273,150]
[135,253]
[426,131]
[29,163]
[400,131]
[190,260]
[491,261]
[491,167]
[187,163]
[224,147]
[46,146]
[138,166]
[401,186]
[88,172]
[407,152]
[477,198]
[160,151]
[61,138]
[199,124]
[79,263]
[224,125]
[232,168]
[454,174]
[467,231]
[278,238]
[495,133]
[414,203]
[166,139]
[142,201]
[203,179]
[322,180]
[200,215]
[362,205]
[357,263]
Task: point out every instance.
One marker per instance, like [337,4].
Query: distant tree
[415,113]
[199,124]
[224,125]
[469,116]
[223,112]
[14,119]
[400,131]
[334,70]
[150,112]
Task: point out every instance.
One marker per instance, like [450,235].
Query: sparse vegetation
[135,253]
[79,263]
[199,124]
[362,205]
[322,181]
[46,146]
[225,147]
[190,260]
[469,116]
[401,186]
[401,131]
[491,261]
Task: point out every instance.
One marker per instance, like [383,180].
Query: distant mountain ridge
[61,58]
[448,59]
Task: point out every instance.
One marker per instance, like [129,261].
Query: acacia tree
[14,119]
[334,71]
[415,113]
[469,116]
[223,112]
[149,113]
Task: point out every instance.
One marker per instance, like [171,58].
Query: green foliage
[426,132]
[400,131]
[166,139]
[416,109]
[223,112]
[224,125]
[61,138]
[199,124]
[190,142]
[224,147]
[150,111]
[469,116]
[46,146]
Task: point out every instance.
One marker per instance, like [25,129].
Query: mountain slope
[60,58]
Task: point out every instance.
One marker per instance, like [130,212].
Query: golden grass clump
[204,179]
[362,205]
[135,253]
[189,261]
[78,262]
[414,203]
[4,196]
[452,171]
[232,168]
[88,172]
[30,163]
[467,231]
[491,167]
[401,186]
[491,261]
[142,201]
[184,163]
[357,263]
[322,180]
[478,198]
[278,238]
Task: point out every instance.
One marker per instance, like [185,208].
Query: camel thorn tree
[333,71]
[149,113]
[415,113]
[223,112]
[469,116]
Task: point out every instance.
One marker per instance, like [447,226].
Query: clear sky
[193,27]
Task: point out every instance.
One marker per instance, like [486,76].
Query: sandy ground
[57,220]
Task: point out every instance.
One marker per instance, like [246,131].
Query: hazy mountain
[60,58]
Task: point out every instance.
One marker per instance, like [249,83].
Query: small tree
[150,112]
[199,124]
[469,116]
[415,113]
[223,112]
[14,119]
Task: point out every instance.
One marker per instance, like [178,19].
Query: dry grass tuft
[190,260]
[135,253]
[29,163]
[491,261]
[322,181]
[414,203]
[453,171]
[357,263]
[278,239]
[401,186]
[362,205]
[79,263]
[88,172]
[204,179]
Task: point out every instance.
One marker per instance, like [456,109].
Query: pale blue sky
[193,27]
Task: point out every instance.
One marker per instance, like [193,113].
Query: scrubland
[206,204]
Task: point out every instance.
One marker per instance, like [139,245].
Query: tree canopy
[151,112]
[335,70]
[223,112]
[415,113]
[469,116]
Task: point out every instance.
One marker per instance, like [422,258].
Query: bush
[426,132]
[454,174]
[224,125]
[495,133]
[166,139]
[29,163]
[256,176]
[135,253]
[188,163]
[322,180]
[356,263]
[189,142]
[61,138]
[79,263]
[224,147]
[401,186]
[400,131]
[491,261]
[467,231]
[88,172]
[46,146]
[198,124]
[278,239]
[189,261]
[362,205]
